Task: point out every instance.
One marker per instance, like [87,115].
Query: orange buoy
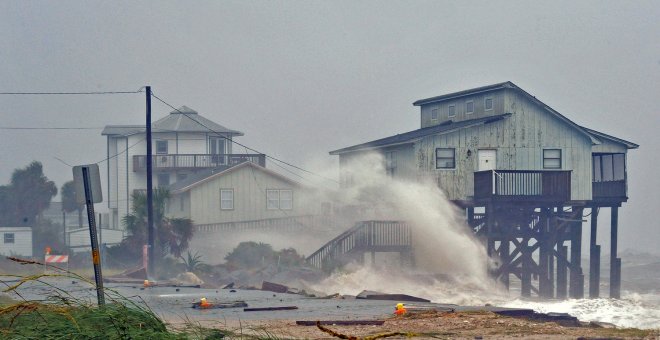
[400,309]
[203,303]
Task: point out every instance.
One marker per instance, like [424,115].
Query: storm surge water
[632,310]
[451,265]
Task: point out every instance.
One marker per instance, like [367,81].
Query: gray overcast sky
[301,78]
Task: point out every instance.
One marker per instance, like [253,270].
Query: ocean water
[632,310]
[639,310]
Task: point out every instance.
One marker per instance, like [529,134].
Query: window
[286,199]
[609,167]
[279,199]
[444,158]
[226,199]
[434,114]
[163,179]
[390,163]
[9,238]
[552,159]
[469,107]
[451,111]
[161,147]
[488,103]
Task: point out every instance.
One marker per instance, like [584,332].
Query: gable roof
[598,134]
[210,174]
[509,85]
[183,119]
[412,136]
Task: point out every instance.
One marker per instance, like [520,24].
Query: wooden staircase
[365,236]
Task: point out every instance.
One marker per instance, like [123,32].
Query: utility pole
[150,208]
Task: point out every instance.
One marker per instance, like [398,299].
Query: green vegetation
[193,262]
[23,201]
[248,255]
[172,234]
[63,316]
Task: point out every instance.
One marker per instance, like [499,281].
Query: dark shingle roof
[487,88]
[411,136]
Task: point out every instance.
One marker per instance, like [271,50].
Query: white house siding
[459,103]
[22,245]
[249,187]
[179,205]
[112,173]
[191,143]
[609,147]
[519,141]
[405,159]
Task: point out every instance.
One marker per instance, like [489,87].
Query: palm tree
[172,235]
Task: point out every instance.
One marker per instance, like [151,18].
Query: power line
[239,144]
[47,128]
[72,93]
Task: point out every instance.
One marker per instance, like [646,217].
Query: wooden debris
[341,322]
[368,295]
[263,309]
[274,287]
[220,305]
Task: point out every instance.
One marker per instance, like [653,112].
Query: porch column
[615,262]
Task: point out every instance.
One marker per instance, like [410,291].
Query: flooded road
[173,305]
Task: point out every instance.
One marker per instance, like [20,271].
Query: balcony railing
[537,185]
[195,161]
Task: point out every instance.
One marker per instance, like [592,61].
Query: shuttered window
[9,238]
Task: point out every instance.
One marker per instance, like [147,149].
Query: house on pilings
[526,176]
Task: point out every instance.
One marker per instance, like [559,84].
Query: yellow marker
[400,309]
[96,258]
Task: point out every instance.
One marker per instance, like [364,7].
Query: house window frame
[159,143]
[599,173]
[230,199]
[449,111]
[492,103]
[453,159]
[561,163]
[289,200]
[466,107]
[9,238]
[390,163]
[274,199]
[434,113]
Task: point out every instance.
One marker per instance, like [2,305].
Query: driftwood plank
[341,322]
[269,309]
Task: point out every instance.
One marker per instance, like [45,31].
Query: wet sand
[459,325]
